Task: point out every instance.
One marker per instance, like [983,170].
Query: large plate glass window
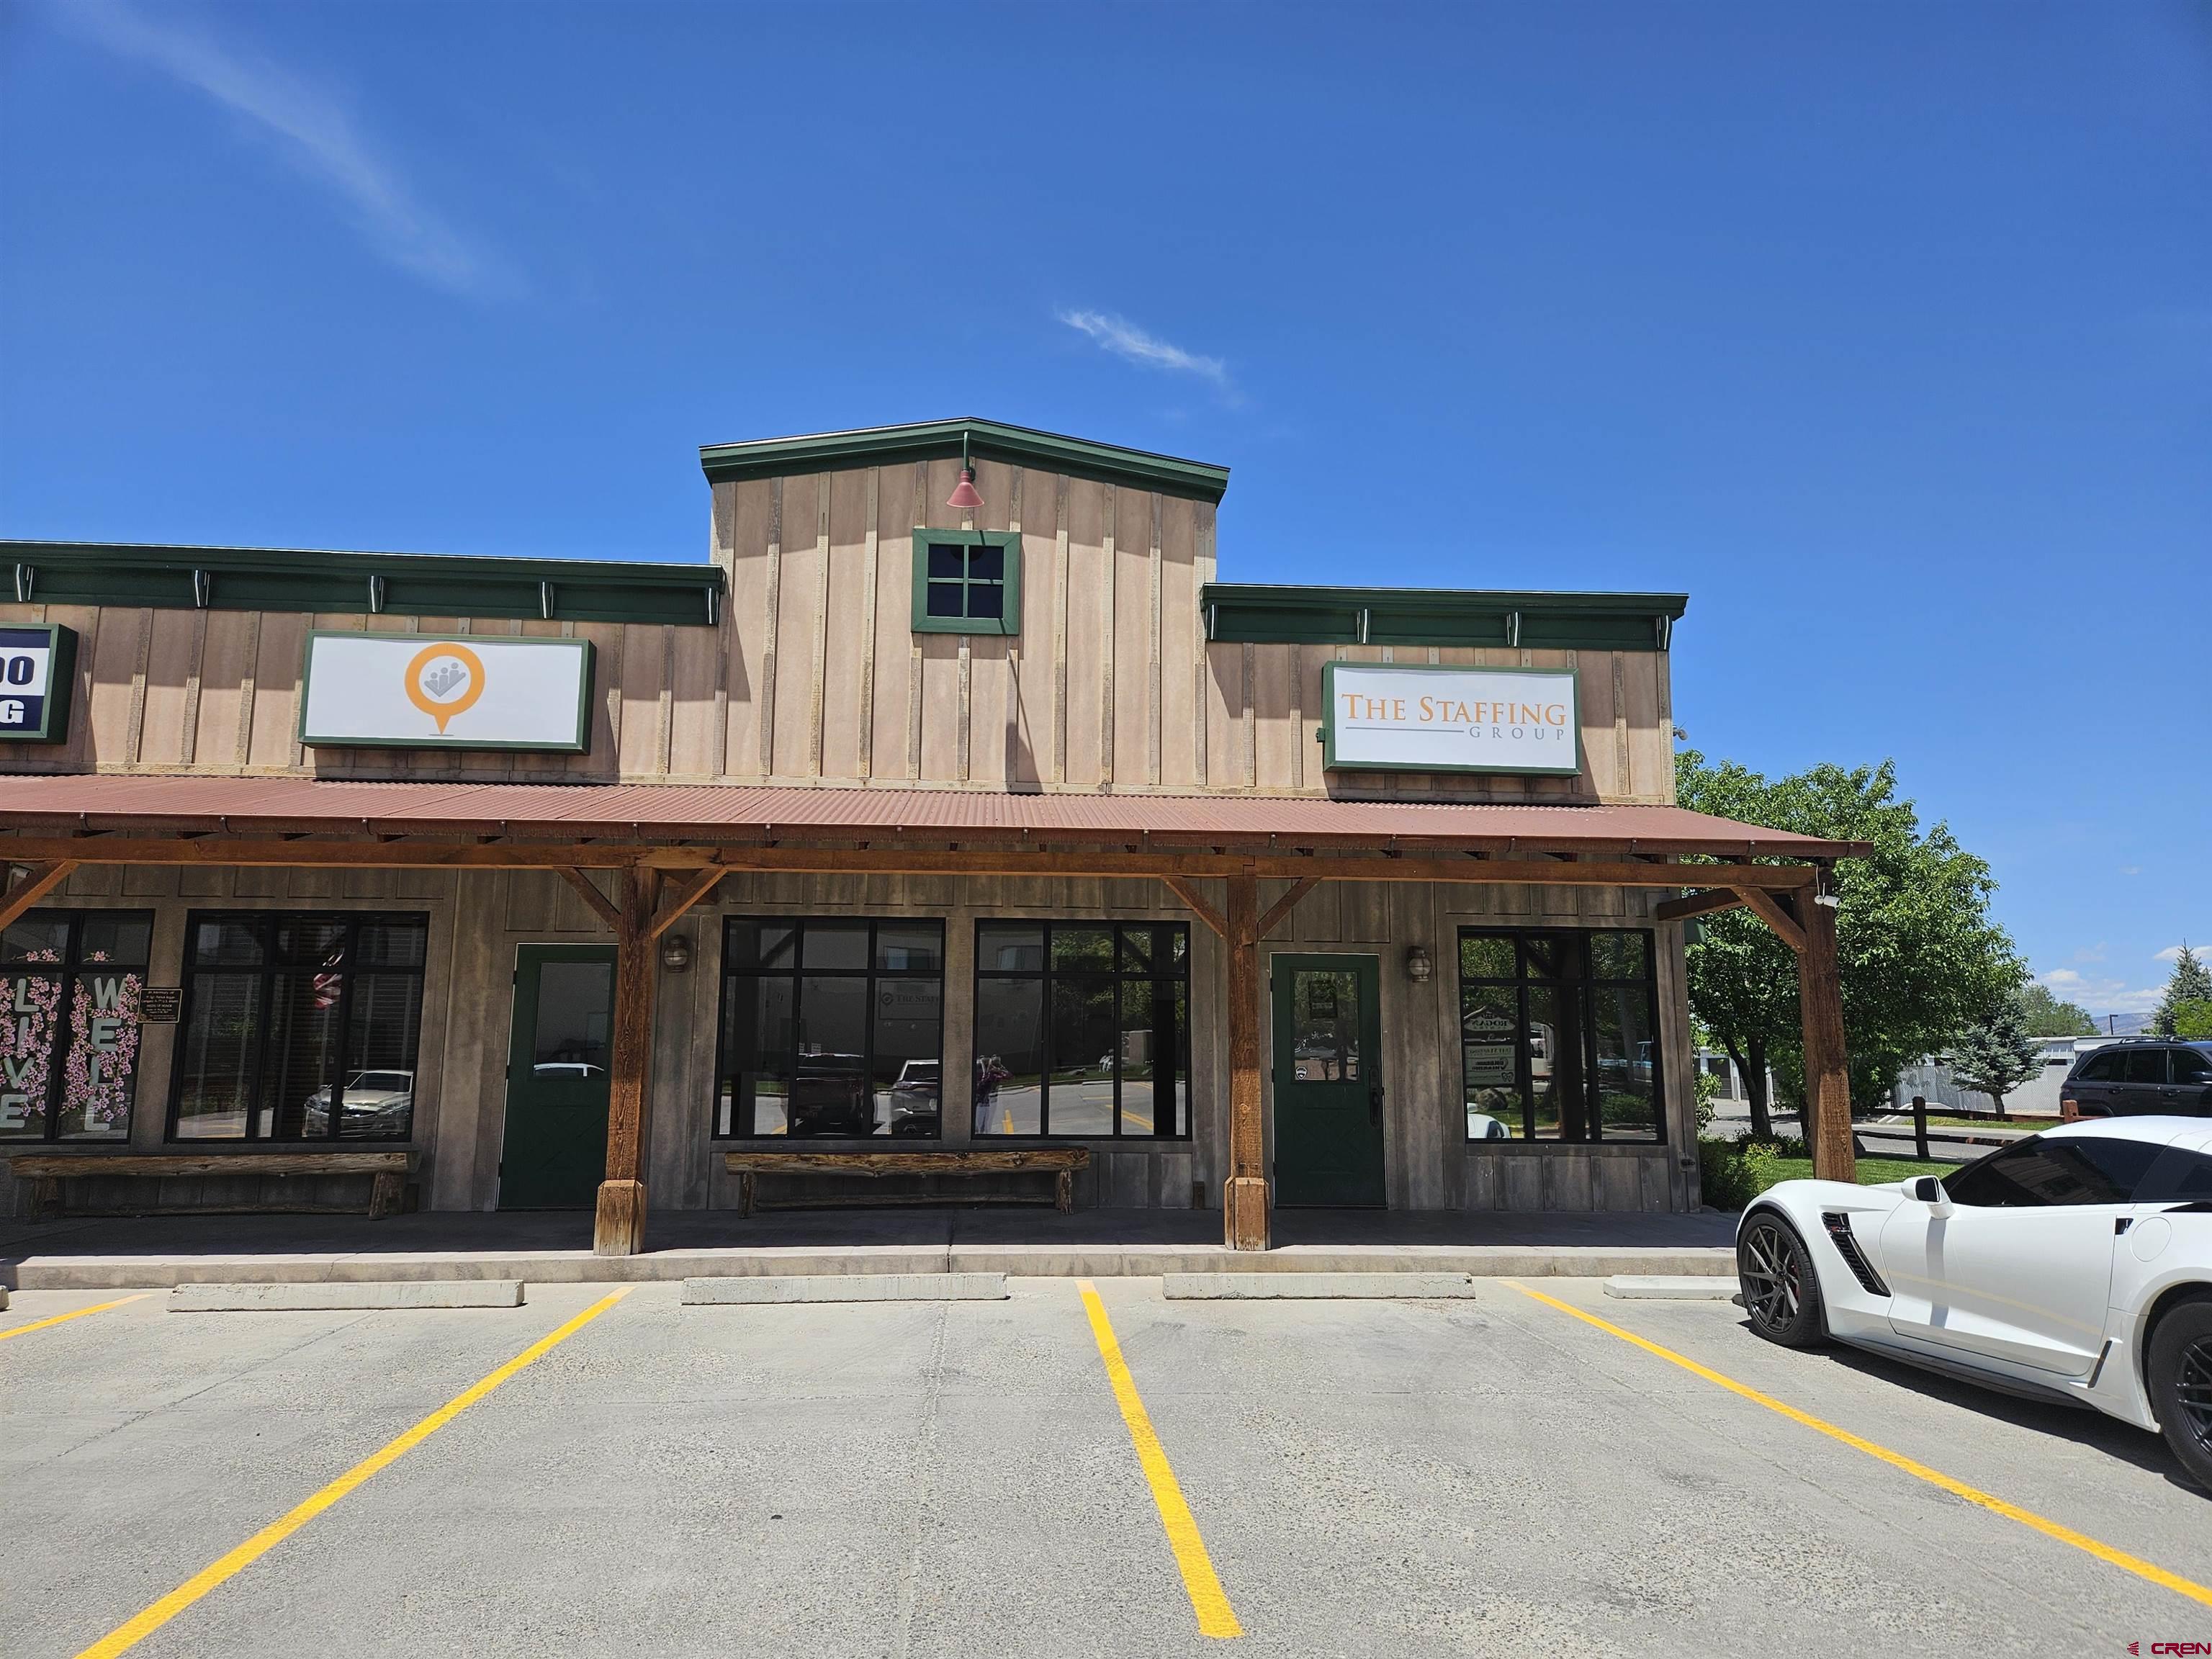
[831,1027]
[966,581]
[70,982]
[299,1026]
[1082,1029]
[1558,1038]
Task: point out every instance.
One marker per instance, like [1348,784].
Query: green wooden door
[556,1150]
[1328,1080]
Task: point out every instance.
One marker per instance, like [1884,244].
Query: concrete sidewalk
[99,1253]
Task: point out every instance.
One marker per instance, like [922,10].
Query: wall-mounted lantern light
[676,952]
[1421,966]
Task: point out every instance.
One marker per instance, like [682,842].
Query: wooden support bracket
[1697,904]
[676,906]
[1770,911]
[38,880]
[1183,890]
[602,907]
[1282,907]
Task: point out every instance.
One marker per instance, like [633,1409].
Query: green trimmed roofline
[931,440]
[406,584]
[1237,612]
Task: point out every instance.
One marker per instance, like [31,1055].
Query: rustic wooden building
[951,819]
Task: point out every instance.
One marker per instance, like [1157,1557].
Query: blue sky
[1884,332]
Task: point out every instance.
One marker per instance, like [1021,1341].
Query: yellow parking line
[129,1635]
[1207,1601]
[2120,1558]
[74,1313]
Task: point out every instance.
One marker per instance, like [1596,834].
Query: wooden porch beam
[676,906]
[1244,1221]
[1282,907]
[1770,911]
[1697,904]
[1827,1066]
[619,1226]
[1196,900]
[588,890]
[38,881]
[368,854]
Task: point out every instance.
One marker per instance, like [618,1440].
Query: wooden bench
[1059,1161]
[388,1171]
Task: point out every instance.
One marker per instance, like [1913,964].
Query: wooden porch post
[1244,1195]
[619,1228]
[1828,1070]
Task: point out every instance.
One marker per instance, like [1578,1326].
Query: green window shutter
[966,581]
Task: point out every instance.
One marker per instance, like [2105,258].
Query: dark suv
[2138,1076]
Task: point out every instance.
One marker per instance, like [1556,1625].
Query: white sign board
[1393,717]
[417,691]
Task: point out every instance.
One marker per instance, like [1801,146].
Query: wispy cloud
[2100,995]
[1127,341]
[2172,953]
[311,129]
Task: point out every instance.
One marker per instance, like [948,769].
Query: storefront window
[70,982]
[298,1027]
[831,1027]
[1082,1029]
[1557,1036]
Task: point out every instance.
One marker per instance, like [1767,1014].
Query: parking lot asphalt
[1486,1476]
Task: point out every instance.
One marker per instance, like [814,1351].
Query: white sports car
[2073,1265]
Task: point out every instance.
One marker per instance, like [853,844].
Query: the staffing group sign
[36,668]
[418,691]
[1396,717]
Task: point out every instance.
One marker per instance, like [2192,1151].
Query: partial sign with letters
[1402,717]
[37,666]
[420,692]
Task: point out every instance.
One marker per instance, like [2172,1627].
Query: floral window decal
[73,1078]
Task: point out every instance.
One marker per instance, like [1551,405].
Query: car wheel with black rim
[2180,1377]
[1780,1291]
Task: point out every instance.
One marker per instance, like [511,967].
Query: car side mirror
[1930,1191]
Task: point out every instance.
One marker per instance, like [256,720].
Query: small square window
[966,581]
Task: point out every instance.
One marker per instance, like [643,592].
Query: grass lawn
[1872,1171]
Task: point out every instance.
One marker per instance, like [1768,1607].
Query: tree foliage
[1919,959]
[1997,1055]
[2190,981]
[2045,1015]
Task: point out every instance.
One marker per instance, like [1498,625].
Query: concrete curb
[104,1273]
[1654,1287]
[844,1287]
[358,1295]
[1253,1287]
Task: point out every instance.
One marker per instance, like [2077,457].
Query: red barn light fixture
[963,494]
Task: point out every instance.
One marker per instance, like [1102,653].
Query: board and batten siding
[813,674]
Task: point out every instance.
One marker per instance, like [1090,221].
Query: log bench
[388,1172]
[1059,1161]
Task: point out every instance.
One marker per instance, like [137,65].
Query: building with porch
[951,822]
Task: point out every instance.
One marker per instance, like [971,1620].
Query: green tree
[2045,1015]
[2192,1018]
[1997,1055]
[1919,959]
[2190,981]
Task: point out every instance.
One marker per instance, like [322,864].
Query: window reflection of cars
[831,1097]
[567,1068]
[913,1099]
[378,1105]
[1481,1126]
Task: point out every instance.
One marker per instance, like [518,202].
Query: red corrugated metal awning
[740,813]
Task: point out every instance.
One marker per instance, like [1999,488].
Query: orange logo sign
[444,680]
